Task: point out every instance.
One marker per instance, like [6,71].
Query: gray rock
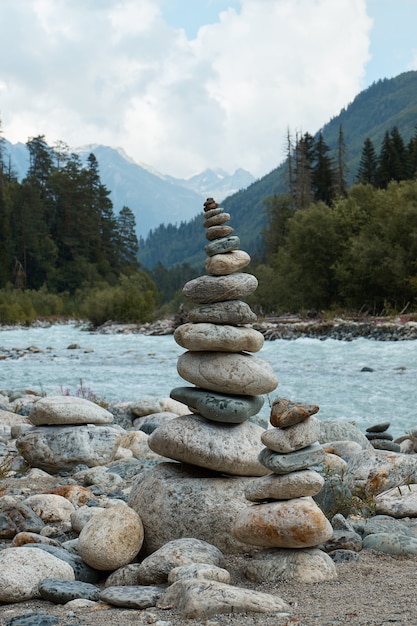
[240,374]
[218,337]
[198,571]
[229,312]
[218,232]
[17,517]
[155,568]
[61,448]
[227,448]
[217,219]
[207,289]
[385,444]
[22,569]
[399,502]
[343,556]
[132,597]
[59,592]
[383,524]
[374,471]
[381,427]
[343,449]
[285,413]
[400,545]
[62,410]
[198,599]
[343,540]
[177,501]
[148,423]
[220,246]
[50,507]
[125,576]
[82,571]
[292,462]
[33,619]
[273,566]
[337,430]
[284,486]
[219,407]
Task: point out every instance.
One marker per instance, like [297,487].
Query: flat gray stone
[228,312]
[61,591]
[218,232]
[398,503]
[63,410]
[219,407]
[284,486]
[215,220]
[220,246]
[292,462]
[204,598]
[207,289]
[240,373]
[226,448]
[197,571]
[218,337]
[400,545]
[132,597]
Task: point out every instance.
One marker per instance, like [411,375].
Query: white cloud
[114,72]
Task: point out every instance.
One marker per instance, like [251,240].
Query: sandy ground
[377,590]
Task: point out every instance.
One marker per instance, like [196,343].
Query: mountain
[216,183]
[153,197]
[380,107]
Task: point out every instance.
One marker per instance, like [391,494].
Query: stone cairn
[285,515]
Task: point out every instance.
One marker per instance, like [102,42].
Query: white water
[128,367]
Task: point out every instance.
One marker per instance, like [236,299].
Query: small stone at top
[209,204]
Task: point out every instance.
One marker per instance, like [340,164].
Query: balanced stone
[229,312]
[284,486]
[294,461]
[216,220]
[207,289]
[293,437]
[297,523]
[218,407]
[218,232]
[286,413]
[60,410]
[227,448]
[224,372]
[214,337]
[222,264]
[212,212]
[225,244]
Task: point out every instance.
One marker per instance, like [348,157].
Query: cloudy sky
[187,84]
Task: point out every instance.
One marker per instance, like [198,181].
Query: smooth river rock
[175,500]
[294,461]
[217,219]
[297,523]
[207,289]
[284,486]
[306,566]
[215,337]
[218,232]
[223,245]
[240,374]
[223,264]
[61,448]
[63,410]
[287,413]
[112,538]
[226,448]
[228,312]
[218,407]
[293,437]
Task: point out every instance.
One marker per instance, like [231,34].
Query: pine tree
[322,175]
[304,154]
[340,184]
[368,164]
[128,241]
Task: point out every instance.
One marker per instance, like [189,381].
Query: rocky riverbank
[71,512]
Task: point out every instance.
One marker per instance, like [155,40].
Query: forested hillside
[377,110]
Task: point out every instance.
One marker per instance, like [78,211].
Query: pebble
[287,413]
[293,462]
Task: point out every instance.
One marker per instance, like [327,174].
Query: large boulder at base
[62,410]
[273,566]
[22,569]
[112,538]
[373,471]
[174,500]
[61,448]
[227,448]
[236,373]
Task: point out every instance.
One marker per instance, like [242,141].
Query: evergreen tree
[128,241]
[340,184]
[368,164]
[304,156]
[412,156]
[392,159]
[322,175]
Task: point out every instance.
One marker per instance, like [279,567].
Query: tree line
[59,234]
